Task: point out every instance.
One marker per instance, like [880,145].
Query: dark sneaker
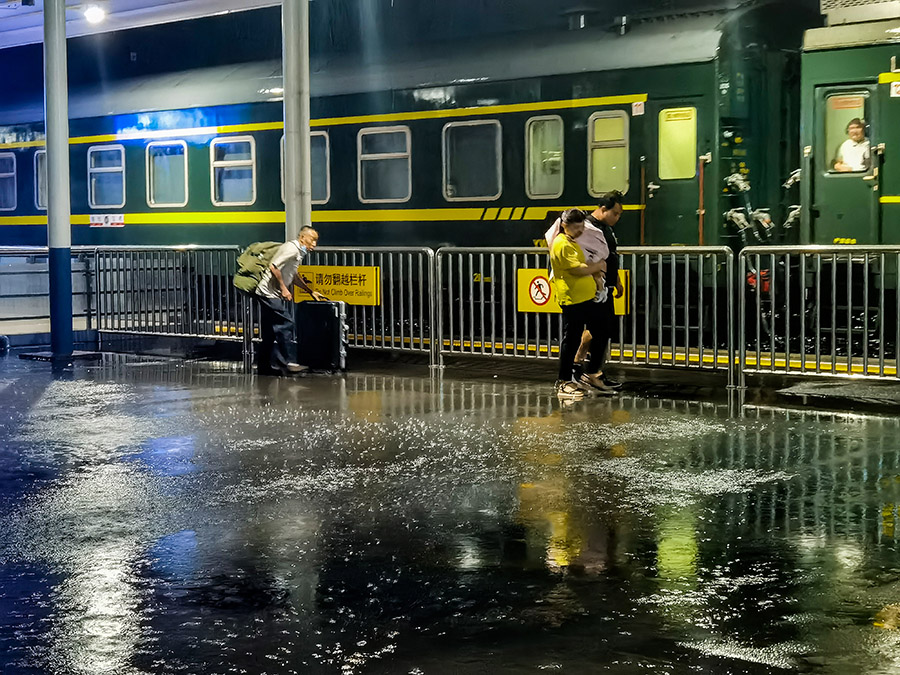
[611,383]
[595,383]
[569,391]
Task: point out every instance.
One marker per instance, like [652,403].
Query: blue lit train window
[320,166]
[233,166]
[40,180]
[7,181]
[472,161]
[167,174]
[106,176]
[385,165]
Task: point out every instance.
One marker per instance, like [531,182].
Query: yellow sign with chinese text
[353,285]
[534,292]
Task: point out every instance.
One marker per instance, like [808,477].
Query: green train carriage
[478,147]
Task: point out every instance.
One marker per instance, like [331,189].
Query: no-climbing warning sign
[535,292]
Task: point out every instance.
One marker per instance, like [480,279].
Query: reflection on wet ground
[161,517]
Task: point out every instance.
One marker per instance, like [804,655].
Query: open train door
[672,186]
[843,165]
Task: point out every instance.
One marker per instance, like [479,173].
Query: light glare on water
[184,519]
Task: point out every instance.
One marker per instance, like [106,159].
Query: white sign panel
[637,108]
[108,220]
[895,89]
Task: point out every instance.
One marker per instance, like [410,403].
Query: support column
[295,67]
[59,229]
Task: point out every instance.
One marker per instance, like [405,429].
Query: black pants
[277,333]
[606,331]
[575,319]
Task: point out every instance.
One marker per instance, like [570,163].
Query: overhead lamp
[94,14]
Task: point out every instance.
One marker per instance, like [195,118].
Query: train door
[842,164]
[672,187]
[888,181]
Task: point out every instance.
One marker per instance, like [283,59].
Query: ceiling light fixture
[94,14]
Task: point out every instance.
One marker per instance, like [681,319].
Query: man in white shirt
[276,301]
[854,154]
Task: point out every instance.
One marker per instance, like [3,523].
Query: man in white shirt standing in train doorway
[854,155]
[276,299]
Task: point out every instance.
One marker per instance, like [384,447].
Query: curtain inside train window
[677,143]
[608,152]
[233,162]
[472,161]
[320,166]
[385,166]
[106,176]
[544,157]
[167,174]
[7,181]
[320,160]
[40,180]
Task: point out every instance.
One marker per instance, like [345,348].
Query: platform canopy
[21,23]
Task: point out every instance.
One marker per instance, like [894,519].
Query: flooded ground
[160,517]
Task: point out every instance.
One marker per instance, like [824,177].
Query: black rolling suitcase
[321,335]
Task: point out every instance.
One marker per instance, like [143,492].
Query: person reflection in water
[854,155]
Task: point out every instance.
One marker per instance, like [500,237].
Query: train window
[7,181]
[106,176]
[385,168]
[320,165]
[544,157]
[677,143]
[167,174]
[40,179]
[233,164]
[473,168]
[608,152]
[846,139]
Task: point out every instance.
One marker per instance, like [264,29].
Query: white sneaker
[568,391]
[296,368]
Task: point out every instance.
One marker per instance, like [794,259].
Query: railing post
[247,334]
[733,362]
[742,319]
[89,277]
[437,310]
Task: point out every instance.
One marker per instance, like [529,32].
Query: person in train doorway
[575,291]
[276,301]
[604,218]
[854,154]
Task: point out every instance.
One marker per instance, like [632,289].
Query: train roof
[852,35]
[672,41]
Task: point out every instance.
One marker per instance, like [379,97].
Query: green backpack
[252,264]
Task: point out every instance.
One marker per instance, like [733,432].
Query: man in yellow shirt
[575,291]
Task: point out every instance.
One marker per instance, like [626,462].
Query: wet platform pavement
[168,517]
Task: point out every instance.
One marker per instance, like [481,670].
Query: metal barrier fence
[801,310]
[183,291]
[676,310]
[404,317]
[25,288]
[824,310]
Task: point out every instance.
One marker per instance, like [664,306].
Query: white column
[59,229]
[295,57]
